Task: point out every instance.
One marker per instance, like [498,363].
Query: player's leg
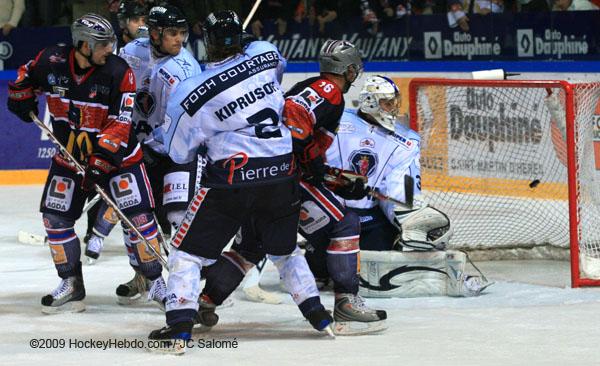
[106,219]
[376,231]
[132,193]
[275,223]
[213,218]
[62,203]
[325,215]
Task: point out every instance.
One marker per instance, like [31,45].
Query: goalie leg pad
[296,276]
[64,245]
[223,277]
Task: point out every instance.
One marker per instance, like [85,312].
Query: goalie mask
[379,98]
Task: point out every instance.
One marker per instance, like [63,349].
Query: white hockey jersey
[384,157]
[156,78]
[233,109]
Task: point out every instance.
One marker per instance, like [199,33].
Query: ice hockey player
[312,112]
[233,109]
[90,94]
[132,22]
[371,142]
[159,63]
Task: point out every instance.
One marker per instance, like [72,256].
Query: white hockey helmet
[379,98]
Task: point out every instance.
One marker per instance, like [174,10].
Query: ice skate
[206,316]
[66,298]
[158,292]
[353,317]
[93,248]
[170,339]
[130,292]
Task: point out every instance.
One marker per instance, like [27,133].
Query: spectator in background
[273,10]
[532,6]
[10,14]
[457,16]
[573,5]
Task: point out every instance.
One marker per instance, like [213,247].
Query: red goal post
[515,164]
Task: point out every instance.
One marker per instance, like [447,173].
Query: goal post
[515,164]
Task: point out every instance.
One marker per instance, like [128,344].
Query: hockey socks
[343,264]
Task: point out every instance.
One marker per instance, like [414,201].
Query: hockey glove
[346,184]
[313,170]
[97,172]
[21,101]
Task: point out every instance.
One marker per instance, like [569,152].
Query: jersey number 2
[266,123]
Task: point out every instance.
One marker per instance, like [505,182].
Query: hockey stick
[251,14]
[81,170]
[252,288]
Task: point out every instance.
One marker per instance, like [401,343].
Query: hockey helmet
[131,9]
[338,57]
[222,30]
[166,16]
[379,98]
[93,29]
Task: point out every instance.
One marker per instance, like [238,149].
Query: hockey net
[515,164]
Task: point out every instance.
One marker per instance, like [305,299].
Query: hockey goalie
[403,239]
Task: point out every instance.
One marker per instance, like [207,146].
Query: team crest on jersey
[125,190]
[51,79]
[144,103]
[363,162]
[60,193]
[367,142]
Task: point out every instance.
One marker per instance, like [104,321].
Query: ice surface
[527,318]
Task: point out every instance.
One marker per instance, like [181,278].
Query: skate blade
[358,328]
[327,330]
[201,328]
[125,300]
[226,304]
[257,294]
[174,347]
[69,307]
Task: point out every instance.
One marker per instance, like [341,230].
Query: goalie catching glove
[422,229]
[346,184]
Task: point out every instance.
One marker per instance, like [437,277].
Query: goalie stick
[80,170]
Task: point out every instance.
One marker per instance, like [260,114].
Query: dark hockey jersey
[90,113]
[312,111]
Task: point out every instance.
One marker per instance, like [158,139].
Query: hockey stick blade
[24,237]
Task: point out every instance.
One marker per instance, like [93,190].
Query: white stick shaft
[251,14]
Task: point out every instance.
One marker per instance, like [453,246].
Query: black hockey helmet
[222,32]
[167,16]
[130,9]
